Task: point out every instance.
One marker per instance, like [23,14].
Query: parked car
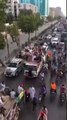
[14,67]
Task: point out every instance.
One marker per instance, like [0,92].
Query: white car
[49,37]
[54,40]
[14,67]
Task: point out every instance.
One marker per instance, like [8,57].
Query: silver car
[14,67]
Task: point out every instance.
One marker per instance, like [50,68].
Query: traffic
[42,67]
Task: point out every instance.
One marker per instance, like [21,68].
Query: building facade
[55,12]
[43,5]
[28,7]
[12,7]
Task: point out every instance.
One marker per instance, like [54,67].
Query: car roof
[55,38]
[45,43]
[16,60]
[31,64]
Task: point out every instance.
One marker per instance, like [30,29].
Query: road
[23,39]
[55,112]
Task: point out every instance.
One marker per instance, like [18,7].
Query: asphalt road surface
[55,111]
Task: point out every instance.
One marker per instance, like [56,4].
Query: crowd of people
[55,65]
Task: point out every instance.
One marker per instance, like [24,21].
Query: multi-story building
[12,7]
[43,5]
[54,12]
[28,7]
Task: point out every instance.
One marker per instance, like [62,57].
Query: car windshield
[12,65]
[28,67]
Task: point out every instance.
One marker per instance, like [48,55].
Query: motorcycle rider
[62,89]
[62,92]
[42,93]
[53,87]
[43,89]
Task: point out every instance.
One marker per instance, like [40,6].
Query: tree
[2,21]
[26,23]
[2,14]
[38,21]
[9,18]
[2,41]
[25,12]
[14,33]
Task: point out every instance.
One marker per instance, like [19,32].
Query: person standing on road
[20,88]
[43,114]
[42,76]
[34,102]
[32,92]
[27,96]
[12,94]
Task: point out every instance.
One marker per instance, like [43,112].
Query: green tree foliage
[26,12]
[26,22]
[13,31]
[50,18]
[2,41]
[2,10]
[29,22]
[2,21]
[9,18]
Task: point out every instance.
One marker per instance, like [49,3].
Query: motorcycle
[52,95]
[62,98]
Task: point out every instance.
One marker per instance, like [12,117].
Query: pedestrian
[27,96]
[34,103]
[12,94]
[3,86]
[2,109]
[20,88]
[42,76]
[43,113]
[32,92]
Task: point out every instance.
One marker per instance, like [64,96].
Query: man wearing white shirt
[12,94]
[32,92]
[20,89]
